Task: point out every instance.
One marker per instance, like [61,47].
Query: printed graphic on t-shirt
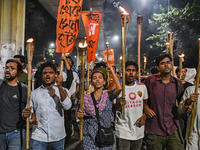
[133,102]
[132,96]
[14,96]
[139,93]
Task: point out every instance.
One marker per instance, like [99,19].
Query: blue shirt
[49,113]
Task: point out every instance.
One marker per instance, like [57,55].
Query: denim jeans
[38,145]
[11,140]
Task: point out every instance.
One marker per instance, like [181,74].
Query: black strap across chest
[96,109]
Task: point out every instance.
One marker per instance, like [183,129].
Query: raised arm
[118,84]
[63,93]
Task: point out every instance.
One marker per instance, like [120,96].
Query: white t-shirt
[126,127]
[75,81]
[196,128]
[64,75]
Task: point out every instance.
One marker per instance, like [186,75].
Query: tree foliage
[184,23]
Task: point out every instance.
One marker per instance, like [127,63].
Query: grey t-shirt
[9,107]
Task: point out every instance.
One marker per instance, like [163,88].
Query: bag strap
[20,111]
[96,109]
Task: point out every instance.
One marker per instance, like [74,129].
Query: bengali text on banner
[68,22]
[92,23]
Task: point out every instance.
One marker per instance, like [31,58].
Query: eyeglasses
[10,68]
[167,62]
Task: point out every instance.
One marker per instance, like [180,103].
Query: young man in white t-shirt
[130,128]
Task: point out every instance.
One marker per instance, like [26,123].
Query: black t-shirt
[9,107]
[38,76]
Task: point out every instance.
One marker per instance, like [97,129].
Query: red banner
[92,23]
[68,22]
[111,57]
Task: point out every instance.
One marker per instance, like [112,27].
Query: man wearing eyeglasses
[13,97]
[162,125]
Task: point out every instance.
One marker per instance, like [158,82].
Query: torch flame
[81,45]
[181,55]
[123,11]
[30,40]
[145,59]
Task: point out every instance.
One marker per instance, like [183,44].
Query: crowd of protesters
[156,115]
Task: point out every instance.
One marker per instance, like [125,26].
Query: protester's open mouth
[167,69]
[47,79]
[130,77]
[7,74]
[97,83]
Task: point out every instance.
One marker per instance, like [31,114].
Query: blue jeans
[38,145]
[11,140]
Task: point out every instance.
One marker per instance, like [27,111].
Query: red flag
[111,57]
[68,22]
[92,23]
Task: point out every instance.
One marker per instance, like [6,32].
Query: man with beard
[48,103]
[130,128]
[13,95]
[73,88]
[184,71]
[185,106]
[23,76]
[183,118]
[162,125]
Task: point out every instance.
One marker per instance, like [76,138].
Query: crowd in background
[153,114]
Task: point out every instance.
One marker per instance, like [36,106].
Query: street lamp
[116,38]
[52,45]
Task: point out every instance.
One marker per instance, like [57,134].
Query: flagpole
[88,75]
[61,65]
[107,48]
